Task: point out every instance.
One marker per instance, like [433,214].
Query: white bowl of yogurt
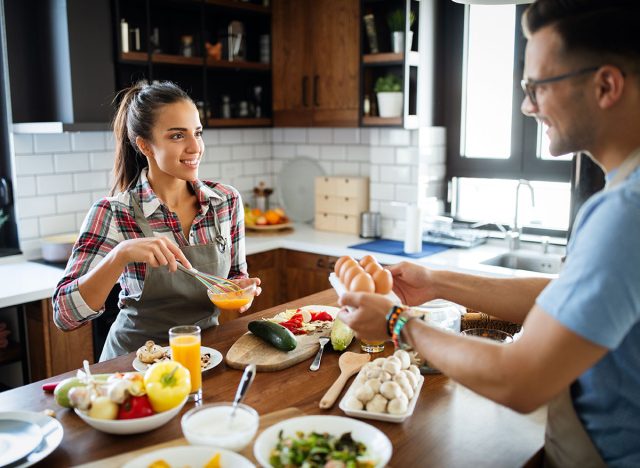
[213,426]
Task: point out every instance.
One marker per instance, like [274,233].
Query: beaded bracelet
[392,317]
[401,321]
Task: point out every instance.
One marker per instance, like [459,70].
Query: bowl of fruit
[270,220]
[127,403]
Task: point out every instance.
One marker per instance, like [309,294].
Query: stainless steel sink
[526,260]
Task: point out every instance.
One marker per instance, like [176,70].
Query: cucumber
[274,334]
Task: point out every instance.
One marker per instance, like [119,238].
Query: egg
[372,267]
[364,261]
[383,281]
[339,262]
[346,265]
[351,273]
[362,282]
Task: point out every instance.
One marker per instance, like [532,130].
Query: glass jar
[442,314]
[186,46]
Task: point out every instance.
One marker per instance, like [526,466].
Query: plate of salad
[318,440]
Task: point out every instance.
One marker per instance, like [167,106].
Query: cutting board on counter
[251,349]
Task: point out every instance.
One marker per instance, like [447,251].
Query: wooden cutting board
[265,421]
[251,349]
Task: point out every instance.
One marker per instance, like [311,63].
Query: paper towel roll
[413,233]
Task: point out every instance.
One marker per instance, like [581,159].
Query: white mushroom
[394,359]
[379,361]
[354,404]
[392,367]
[385,376]
[369,365]
[361,378]
[378,404]
[398,406]
[414,370]
[365,393]
[374,373]
[406,388]
[411,377]
[374,384]
[390,390]
[404,357]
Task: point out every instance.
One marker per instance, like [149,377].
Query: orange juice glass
[185,348]
[372,346]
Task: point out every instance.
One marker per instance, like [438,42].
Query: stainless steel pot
[370,224]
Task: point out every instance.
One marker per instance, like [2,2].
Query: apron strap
[139,216]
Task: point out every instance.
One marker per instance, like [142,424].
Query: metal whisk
[214,283]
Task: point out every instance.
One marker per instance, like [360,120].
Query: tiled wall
[59,176]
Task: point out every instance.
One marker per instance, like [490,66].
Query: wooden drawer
[325,221]
[352,187]
[325,185]
[347,223]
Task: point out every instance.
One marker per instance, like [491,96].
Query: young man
[580,350]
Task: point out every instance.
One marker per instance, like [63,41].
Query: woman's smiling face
[176,146]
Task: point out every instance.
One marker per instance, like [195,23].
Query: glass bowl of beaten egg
[233,299]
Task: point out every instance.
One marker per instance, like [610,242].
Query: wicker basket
[475,319]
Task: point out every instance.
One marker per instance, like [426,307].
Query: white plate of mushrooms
[151,353]
[386,389]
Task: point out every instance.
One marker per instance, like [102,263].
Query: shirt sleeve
[597,294]
[98,236]
[238,256]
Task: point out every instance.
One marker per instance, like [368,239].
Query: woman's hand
[154,251]
[243,283]
[412,283]
[367,316]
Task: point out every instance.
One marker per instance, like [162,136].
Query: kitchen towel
[392,247]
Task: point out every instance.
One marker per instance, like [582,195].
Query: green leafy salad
[318,450]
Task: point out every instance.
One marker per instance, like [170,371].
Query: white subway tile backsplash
[395,174]
[310,151]
[295,135]
[218,153]
[407,156]
[364,169]
[346,135]
[229,137]
[99,194]
[34,164]
[327,167]
[87,141]
[374,173]
[382,155]
[406,193]
[284,151]
[333,152]
[358,153]
[209,171]
[346,168]
[243,184]
[90,181]
[58,224]
[109,141]
[381,191]
[254,168]
[80,219]
[29,207]
[210,137]
[25,186]
[52,184]
[277,135]
[31,248]
[73,202]
[253,135]
[432,136]
[230,170]
[29,228]
[370,136]
[242,152]
[71,162]
[101,161]
[262,151]
[322,136]
[52,143]
[394,137]
[22,143]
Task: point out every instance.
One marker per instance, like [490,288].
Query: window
[490,143]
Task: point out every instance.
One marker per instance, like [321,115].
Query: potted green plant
[396,22]
[389,93]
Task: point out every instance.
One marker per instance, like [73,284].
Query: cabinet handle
[316,102]
[320,263]
[305,79]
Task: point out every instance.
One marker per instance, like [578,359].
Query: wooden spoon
[349,363]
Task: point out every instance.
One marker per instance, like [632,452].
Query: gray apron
[567,443]
[168,299]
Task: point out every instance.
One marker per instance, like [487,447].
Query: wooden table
[451,425]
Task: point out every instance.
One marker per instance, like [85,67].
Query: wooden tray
[265,421]
[268,227]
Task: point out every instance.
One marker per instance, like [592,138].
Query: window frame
[523,162]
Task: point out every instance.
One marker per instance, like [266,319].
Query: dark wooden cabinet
[306,273]
[52,351]
[316,60]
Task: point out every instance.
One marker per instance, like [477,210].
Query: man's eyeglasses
[529,86]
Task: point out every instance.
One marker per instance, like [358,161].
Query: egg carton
[341,289]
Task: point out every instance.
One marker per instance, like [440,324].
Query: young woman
[158,214]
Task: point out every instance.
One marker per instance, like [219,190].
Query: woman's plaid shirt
[110,221]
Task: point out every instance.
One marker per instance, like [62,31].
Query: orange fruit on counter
[272,217]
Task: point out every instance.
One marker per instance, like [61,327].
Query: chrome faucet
[513,236]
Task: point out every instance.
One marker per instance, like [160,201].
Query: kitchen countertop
[25,281]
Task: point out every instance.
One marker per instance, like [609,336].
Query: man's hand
[366,315]
[412,283]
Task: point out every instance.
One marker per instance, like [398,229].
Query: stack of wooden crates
[339,202]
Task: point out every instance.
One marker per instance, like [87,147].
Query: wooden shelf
[236,5]
[387,58]
[241,122]
[238,65]
[381,121]
[10,354]
[176,60]
[134,56]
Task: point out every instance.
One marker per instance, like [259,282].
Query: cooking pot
[58,248]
